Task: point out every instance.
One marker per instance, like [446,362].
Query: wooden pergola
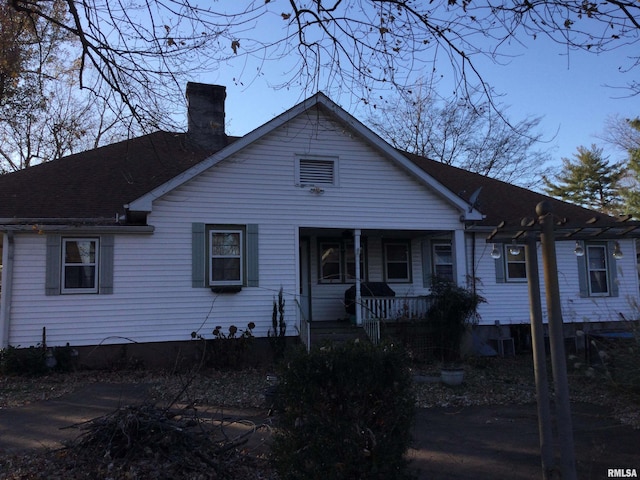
[547,229]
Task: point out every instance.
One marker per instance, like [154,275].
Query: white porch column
[459,257]
[356,246]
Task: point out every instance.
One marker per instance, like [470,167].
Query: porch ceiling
[385,233]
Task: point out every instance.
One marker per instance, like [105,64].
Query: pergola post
[539,358]
[556,342]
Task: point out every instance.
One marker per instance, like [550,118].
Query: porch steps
[336,332]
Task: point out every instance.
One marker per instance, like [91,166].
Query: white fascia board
[145,203]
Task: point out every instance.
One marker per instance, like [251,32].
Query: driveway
[480,442]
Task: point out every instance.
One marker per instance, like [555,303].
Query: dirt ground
[464,442]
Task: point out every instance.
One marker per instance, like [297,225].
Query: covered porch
[361,277]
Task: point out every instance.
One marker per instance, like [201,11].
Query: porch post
[459,258]
[7,287]
[356,246]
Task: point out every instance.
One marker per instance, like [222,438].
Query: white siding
[509,302]
[153,299]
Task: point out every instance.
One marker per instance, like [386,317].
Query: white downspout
[356,246]
[7,287]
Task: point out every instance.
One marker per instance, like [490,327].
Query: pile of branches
[144,441]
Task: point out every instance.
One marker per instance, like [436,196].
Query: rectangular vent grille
[317,172]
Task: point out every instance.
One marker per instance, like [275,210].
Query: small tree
[278,332]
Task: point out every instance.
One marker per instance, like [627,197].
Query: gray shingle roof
[96,184]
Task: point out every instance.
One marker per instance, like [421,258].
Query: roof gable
[319,100]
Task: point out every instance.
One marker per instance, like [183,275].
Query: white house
[153,238]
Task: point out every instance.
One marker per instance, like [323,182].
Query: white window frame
[95,265]
[405,243]
[241,256]
[509,259]
[435,260]
[319,181]
[605,269]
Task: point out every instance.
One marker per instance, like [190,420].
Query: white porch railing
[371,327]
[394,308]
[390,309]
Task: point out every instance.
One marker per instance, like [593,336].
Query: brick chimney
[206,116]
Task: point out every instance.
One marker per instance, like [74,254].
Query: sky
[572,92]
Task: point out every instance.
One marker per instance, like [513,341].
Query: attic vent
[316,171]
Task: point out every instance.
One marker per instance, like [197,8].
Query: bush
[346,412]
[36,360]
[452,309]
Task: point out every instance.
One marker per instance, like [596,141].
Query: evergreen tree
[589,180]
[630,191]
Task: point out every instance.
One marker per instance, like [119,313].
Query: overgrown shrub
[346,413]
[452,309]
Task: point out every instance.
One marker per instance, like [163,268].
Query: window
[224,256]
[397,261]
[442,255]
[337,261]
[516,263]
[597,270]
[79,264]
[316,171]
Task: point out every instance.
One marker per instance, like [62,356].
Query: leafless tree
[145,51]
[469,135]
[43,115]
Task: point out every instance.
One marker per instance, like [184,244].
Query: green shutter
[501,274]
[52,272]
[253,273]
[427,274]
[612,270]
[106,264]
[198,262]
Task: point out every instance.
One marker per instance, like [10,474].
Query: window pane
[225,244]
[80,251]
[597,258]
[442,254]
[397,253]
[225,269]
[330,261]
[598,282]
[79,277]
[444,272]
[397,271]
[517,270]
